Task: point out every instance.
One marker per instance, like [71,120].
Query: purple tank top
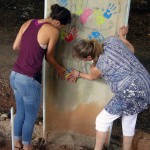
[30,58]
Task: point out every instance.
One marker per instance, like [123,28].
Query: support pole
[127,12]
[12,126]
[44,79]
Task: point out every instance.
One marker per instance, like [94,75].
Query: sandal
[31,149]
[18,148]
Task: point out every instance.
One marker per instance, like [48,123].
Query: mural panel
[74,107]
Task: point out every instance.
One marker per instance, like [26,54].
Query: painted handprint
[99,17]
[62,2]
[71,35]
[62,34]
[96,35]
[86,13]
[78,7]
[109,11]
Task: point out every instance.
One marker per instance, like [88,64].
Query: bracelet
[79,74]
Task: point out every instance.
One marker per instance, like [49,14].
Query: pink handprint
[71,35]
[86,13]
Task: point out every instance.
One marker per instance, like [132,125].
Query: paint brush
[68,75]
[68,70]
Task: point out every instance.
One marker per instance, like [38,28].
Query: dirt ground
[14,13]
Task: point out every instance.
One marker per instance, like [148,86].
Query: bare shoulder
[25,25]
[48,28]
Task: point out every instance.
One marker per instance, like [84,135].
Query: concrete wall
[74,107]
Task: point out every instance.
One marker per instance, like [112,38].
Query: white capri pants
[105,119]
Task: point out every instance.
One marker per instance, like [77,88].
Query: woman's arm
[54,35]
[94,74]
[16,45]
[122,33]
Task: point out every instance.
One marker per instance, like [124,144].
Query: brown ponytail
[85,48]
[98,50]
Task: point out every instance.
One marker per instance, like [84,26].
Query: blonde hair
[85,48]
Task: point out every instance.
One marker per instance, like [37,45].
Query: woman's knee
[104,120]
[128,125]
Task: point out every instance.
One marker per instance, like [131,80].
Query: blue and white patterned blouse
[127,77]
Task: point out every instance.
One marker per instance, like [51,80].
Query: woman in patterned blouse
[128,79]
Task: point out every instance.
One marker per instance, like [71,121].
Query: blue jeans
[27,93]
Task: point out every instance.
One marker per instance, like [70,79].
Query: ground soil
[14,13]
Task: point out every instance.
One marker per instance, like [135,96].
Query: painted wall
[74,107]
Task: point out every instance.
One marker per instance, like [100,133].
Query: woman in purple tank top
[36,39]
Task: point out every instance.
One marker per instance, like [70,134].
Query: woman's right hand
[123,31]
[75,73]
[61,72]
